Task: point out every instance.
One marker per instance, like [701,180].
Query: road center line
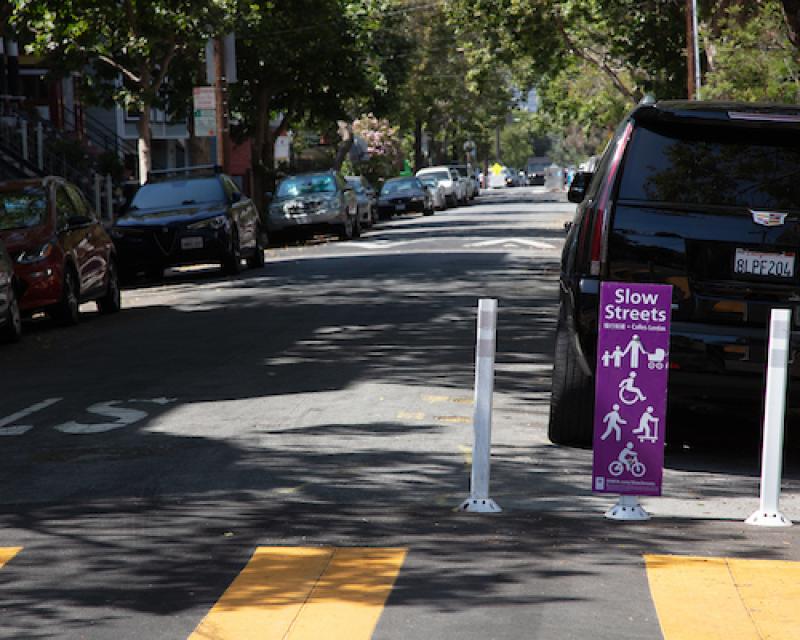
[6,553]
[725,598]
[293,593]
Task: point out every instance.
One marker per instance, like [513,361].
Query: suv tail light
[600,229]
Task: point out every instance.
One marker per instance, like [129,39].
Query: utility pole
[692,51]
[221,92]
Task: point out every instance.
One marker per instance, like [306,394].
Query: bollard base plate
[627,508]
[480,505]
[769,519]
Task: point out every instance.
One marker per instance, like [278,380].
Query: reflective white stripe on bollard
[780,331]
[479,500]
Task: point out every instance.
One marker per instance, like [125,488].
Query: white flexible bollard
[479,500]
[780,331]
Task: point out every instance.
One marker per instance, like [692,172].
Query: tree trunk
[346,134]
[791,14]
[145,157]
[418,160]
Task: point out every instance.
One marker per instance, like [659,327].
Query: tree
[754,57]
[297,59]
[130,45]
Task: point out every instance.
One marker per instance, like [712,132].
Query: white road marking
[161,401]
[535,244]
[7,428]
[376,244]
[124,417]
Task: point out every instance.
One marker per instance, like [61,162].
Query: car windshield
[429,181]
[753,168]
[305,185]
[439,175]
[176,193]
[22,209]
[462,171]
[399,186]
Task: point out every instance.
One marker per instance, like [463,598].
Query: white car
[448,179]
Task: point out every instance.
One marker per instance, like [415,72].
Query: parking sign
[631,388]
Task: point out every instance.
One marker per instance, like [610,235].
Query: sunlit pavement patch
[724,598]
[6,553]
[304,593]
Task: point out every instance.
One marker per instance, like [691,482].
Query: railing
[37,149]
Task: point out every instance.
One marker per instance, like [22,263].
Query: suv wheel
[111,302]
[346,230]
[12,331]
[256,261]
[232,263]
[572,397]
[67,311]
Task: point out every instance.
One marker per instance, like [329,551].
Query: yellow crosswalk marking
[724,598]
[6,553]
[300,593]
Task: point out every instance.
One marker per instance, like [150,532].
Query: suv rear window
[730,166]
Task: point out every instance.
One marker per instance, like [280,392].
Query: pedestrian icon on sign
[614,420]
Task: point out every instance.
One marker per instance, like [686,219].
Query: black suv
[705,197]
[176,219]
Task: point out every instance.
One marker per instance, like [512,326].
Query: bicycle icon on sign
[628,460]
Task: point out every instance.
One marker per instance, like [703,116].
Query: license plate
[191,243]
[758,263]
[399,207]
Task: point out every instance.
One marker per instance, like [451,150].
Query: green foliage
[754,59]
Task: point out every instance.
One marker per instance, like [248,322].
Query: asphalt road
[325,401]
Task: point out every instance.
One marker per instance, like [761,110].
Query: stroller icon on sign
[656,359]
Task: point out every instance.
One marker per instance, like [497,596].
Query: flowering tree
[383,146]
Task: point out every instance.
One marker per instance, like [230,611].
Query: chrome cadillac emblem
[768,218]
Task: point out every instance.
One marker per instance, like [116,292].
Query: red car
[62,254]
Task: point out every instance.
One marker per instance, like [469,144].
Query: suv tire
[67,311]
[571,397]
[12,331]
[111,302]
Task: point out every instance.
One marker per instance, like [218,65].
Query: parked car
[62,254]
[178,220]
[437,191]
[536,168]
[367,200]
[404,195]
[449,181]
[315,201]
[467,176]
[702,196]
[10,318]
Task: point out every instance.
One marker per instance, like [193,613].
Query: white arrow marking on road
[124,417]
[19,429]
[536,244]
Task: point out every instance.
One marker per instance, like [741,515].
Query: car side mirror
[579,186]
[268,196]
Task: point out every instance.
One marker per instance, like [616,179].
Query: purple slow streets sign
[631,390]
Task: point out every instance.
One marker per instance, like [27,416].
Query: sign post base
[769,519]
[627,508]
[480,505]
